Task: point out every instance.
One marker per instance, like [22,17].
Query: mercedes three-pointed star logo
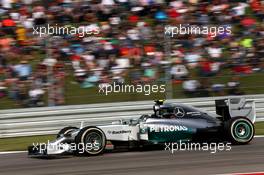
[179,112]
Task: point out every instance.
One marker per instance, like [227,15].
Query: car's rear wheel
[240,130]
[91,140]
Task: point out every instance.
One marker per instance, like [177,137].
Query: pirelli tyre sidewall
[86,135]
[66,130]
[240,130]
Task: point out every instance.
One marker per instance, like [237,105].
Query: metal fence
[49,120]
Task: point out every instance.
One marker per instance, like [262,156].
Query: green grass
[250,84]
[21,143]
[259,126]
[77,95]
[6,103]
[74,94]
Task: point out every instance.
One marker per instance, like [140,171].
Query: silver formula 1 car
[233,122]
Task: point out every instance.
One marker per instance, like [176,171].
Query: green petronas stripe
[171,136]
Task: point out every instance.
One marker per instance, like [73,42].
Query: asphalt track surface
[246,158]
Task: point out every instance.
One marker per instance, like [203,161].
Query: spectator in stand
[179,71]
[233,86]
[8,25]
[128,46]
[218,89]
[191,87]
[192,58]
[5,43]
[23,70]
[214,51]
[150,73]
[3,87]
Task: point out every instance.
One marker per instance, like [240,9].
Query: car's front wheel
[91,140]
[240,130]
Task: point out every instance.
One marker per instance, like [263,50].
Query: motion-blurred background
[130,47]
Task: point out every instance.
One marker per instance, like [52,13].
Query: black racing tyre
[91,140]
[240,130]
[66,130]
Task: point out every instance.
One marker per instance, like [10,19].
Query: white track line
[247,173]
[259,136]
[12,152]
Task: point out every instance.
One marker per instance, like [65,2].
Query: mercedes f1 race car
[232,122]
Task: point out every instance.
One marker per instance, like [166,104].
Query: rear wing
[236,107]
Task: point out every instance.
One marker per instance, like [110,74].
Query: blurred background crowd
[130,48]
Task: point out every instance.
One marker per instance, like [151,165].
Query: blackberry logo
[119,132]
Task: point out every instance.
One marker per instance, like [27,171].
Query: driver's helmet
[163,110]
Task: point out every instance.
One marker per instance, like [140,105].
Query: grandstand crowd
[130,45]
